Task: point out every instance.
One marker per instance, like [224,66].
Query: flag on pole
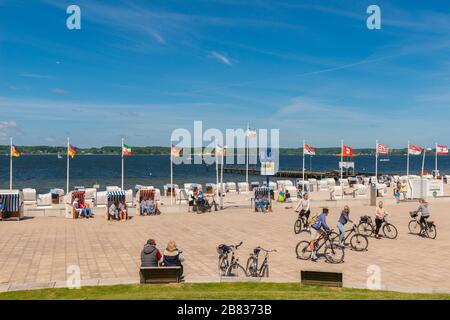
[71,151]
[347,151]
[175,152]
[414,150]
[15,152]
[251,133]
[126,150]
[307,149]
[382,149]
[441,149]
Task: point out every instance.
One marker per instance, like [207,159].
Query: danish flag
[441,149]
[414,150]
[307,149]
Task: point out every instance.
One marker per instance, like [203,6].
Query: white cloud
[220,57]
[6,127]
[35,76]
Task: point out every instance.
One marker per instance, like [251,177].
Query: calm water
[46,171]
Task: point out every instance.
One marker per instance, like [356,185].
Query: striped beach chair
[11,204]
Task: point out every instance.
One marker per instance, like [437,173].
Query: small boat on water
[59,156]
[385,160]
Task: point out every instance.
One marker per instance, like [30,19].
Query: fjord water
[44,172]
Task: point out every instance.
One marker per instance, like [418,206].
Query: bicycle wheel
[264,271]
[390,231]
[414,227]
[297,226]
[222,265]
[432,232]
[365,228]
[359,242]
[334,253]
[303,250]
[251,268]
[236,270]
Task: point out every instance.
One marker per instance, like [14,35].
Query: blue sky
[141,69]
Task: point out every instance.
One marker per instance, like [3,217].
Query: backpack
[313,219]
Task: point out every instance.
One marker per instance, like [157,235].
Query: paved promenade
[36,252]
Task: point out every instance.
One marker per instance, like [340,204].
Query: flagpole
[221,180]
[436,160]
[217,171]
[68,164]
[303,167]
[376,161]
[342,167]
[247,149]
[10,162]
[423,169]
[407,161]
[171,174]
[122,165]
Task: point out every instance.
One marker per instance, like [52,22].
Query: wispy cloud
[6,128]
[59,91]
[36,76]
[220,57]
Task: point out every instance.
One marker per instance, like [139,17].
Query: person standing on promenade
[380,214]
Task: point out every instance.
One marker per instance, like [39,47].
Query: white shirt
[303,205]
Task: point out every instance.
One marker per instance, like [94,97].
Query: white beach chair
[331,182]
[323,185]
[90,194]
[44,200]
[29,196]
[101,199]
[344,183]
[113,188]
[231,187]
[382,189]
[243,187]
[313,183]
[129,197]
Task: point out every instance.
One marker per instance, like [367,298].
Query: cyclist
[424,214]
[380,214]
[343,219]
[304,208]
[318,228]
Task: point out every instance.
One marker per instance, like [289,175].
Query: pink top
[381,213]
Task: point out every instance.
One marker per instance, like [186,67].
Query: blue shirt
[321,222]
[343,219]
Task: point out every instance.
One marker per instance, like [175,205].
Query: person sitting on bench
[173,257]
[86,211]
[123,211]
[77,208]
[143,206]
[113,210]
[150,255]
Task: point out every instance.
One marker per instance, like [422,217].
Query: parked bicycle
[301,224]
[358,242]
[367,227]
[228,262]
[253,269]
[332,251]
[416,227]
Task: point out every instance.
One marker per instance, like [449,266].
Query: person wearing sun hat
[173,257]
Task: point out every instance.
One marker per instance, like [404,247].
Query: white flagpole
[342,167]
[376,161]
[423,160]
[122,164]
[221,179]
[303,165]
[171,175]
[68,169]
[10,162]
[247,150]
[407,161]
[436,159]
[217,171]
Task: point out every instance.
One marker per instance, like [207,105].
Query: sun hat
[171,246]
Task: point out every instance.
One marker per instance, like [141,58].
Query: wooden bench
[320,278]
[160,274]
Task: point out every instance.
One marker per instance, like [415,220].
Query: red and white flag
[441,149]
[347,151]
[307,149]
[251,133]
[414,150]
[382,149]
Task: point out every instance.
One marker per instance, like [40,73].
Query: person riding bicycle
[318,228]
[304,208]
[343,219]
[424,213]
[380,214]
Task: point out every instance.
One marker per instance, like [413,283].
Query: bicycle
[301,224]
[229,266]
[367,227]
[333,252]
[415,227]
[358,242]
[252,269]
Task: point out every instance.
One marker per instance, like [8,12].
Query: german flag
[71,151]
[15,152]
